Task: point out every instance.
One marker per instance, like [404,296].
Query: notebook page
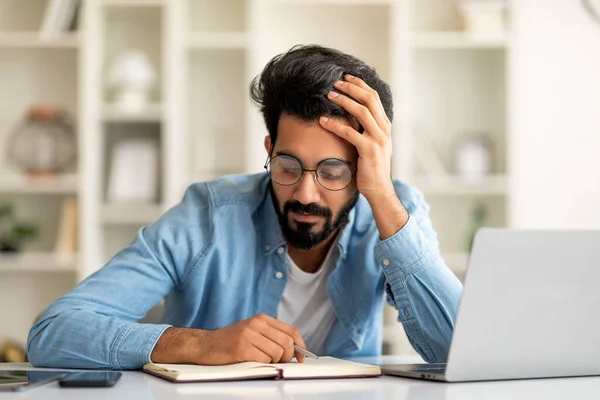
[326,367]
[190,372]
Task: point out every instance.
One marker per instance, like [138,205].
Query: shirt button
[268,247]
[280,250]
[386,262]
[278,274]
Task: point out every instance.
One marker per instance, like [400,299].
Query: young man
[252,264]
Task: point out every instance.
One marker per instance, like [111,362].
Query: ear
[268,144]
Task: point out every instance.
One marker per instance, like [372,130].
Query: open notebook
[324,367]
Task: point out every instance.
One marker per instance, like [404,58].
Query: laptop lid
[529,308]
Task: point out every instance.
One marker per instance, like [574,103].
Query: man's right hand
[260,338]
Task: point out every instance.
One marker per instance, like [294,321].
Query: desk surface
[137,385]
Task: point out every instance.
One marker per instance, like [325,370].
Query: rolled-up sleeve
[418,283]
[95,324]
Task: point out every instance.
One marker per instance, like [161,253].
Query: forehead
[310,142]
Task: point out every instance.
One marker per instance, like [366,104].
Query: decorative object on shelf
[44,144]
[473,157]
[12,352]
[132,76]
[593,8]
[483,17]
[60,17]
[134,171]
[478,220]
[14,233]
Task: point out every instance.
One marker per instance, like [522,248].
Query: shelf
[458,40]
[34,40]
[152,113]
[337,2]
[22,184]
[218,40]
[130,214]
[133,3]
[494,185]
[38,262]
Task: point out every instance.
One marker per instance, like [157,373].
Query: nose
[308,189]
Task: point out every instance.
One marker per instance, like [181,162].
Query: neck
[310,260]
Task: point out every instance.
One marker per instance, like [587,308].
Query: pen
[305,352]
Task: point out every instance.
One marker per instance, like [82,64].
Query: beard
[302,237]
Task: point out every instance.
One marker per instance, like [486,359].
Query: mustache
[311,209]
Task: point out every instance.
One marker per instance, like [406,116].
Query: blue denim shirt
[216,259]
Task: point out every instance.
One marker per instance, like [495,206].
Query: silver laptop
[529,309]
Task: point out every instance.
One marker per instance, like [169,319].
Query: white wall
[555,116]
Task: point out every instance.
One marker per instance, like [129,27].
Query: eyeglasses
[331,173]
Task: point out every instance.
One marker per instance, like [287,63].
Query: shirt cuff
[403,253]
[134,344]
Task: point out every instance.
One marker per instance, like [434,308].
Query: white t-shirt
[305,304]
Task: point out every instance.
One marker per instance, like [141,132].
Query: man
[252,264]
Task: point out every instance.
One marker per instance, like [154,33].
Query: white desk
[136,385]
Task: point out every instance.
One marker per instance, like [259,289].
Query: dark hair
[297,83]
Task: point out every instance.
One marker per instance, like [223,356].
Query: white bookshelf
[494,185]
[38,262]
[23,40]
[133,3]
[458,40]
[21,184]
[218,41]
[205,53]
[130,214]
[151,113]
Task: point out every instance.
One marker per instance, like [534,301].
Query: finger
[282,340]
[361,112]
[285,328]
[288,330]
[257,355]
[367,98]
[267,346]
[344,131]
[381,117]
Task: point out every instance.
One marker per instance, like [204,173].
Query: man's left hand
[374,145]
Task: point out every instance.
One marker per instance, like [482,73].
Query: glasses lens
[334,174]
[285,170]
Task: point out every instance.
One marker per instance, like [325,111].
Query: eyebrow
[290,154]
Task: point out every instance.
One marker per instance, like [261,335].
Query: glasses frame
[269,159]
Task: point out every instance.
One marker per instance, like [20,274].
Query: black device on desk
[90,379]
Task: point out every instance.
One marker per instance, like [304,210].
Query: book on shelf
[66,238]
[323,367]
[59,17]
[134,171]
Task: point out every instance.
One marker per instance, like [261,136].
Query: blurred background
[110,108]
